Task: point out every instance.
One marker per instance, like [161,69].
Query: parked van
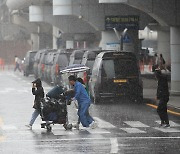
[29,62]
[116,74]
[88,60]
[48,65]
[60,62]
[76,57]
[43,60]
[37,61]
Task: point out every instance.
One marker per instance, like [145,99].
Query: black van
[116,74]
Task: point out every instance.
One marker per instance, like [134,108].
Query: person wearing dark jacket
[38,92]
[163,97]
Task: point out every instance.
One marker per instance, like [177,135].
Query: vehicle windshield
[32,55]
[115,68]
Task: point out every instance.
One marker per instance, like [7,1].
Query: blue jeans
[35,114]
[84,116]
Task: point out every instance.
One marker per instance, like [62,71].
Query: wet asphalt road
[123,127]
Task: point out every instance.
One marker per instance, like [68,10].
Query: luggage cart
[54,109]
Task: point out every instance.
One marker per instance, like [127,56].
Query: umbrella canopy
[75,68]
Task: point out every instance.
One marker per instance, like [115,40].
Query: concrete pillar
[175,59]
[39,13]
[163,43]
[45,41]
[62,7]
[34,41]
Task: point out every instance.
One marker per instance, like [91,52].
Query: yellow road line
[169,111]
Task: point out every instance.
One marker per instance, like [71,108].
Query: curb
[152,76]
[170,107]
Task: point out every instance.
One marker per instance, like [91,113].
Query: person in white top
[17,64]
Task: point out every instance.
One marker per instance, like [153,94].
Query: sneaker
[76,126]
[93,125]
[162,125]
[29,126]
[167,126]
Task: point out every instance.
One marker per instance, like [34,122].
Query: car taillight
[57,69]
[42,66]
[85,77]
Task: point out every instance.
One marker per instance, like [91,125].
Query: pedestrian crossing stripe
[103,124]
[63,132]
[132,130]
[172,124]
[135,124]
[167,130]
[101,129]
[8,127]
[97,131]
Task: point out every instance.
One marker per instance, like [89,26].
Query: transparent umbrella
[75,69]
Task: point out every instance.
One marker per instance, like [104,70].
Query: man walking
[163,97]
[83,103]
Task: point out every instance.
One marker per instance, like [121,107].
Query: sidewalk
[149,92]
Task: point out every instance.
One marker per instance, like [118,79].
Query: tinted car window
[119,68]
[32,54]
[91,56]
[79,55]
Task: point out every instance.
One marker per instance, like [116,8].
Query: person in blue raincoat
[84,102]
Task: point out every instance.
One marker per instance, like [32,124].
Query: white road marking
[23,91]
[97,131]
[8,127]
[167,130]
[135,124]
[114,145]
[62,132]
[172,124]
[7,90]
[79,139]
[103,124]
[132,130]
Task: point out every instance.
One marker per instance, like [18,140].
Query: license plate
[120,81]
